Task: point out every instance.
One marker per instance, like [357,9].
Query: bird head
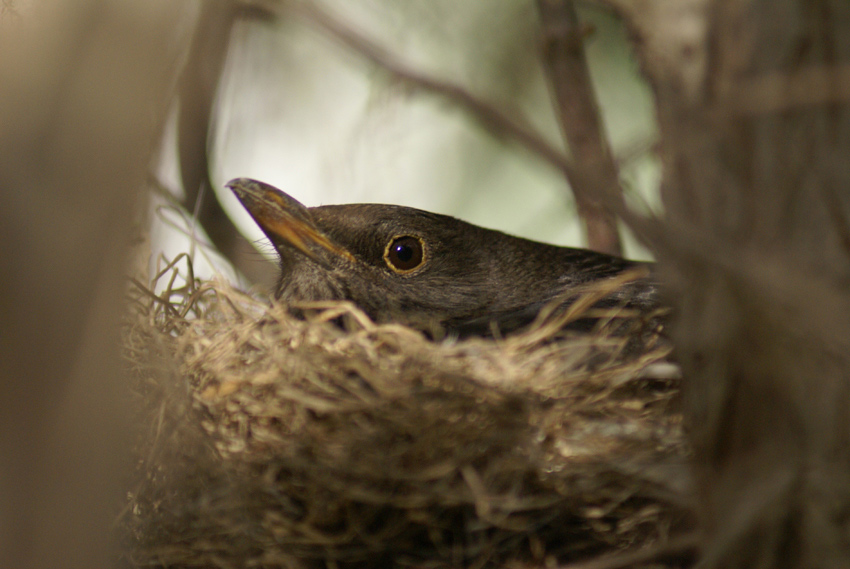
[411,266]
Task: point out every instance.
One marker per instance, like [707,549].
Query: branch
[488,115]
[595,181]
[198,85]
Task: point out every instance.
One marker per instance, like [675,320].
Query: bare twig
[488,115]
[594,181]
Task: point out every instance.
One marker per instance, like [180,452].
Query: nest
[271,441]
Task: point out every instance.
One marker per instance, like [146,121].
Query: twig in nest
[318,444]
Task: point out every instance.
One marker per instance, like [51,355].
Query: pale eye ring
[405,253]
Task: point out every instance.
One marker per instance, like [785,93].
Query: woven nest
[271,441]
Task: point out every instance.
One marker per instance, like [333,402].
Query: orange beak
[284,220]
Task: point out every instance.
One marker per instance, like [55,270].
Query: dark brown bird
[429,271]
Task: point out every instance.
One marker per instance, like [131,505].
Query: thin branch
[197,89]
[595,181]
[488,115]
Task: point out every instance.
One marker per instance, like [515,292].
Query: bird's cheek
[307,282]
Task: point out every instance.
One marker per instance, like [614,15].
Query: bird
[432,272]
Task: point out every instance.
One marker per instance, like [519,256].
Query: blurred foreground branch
[85,87]
[753,106]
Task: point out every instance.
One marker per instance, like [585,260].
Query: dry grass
[269,441]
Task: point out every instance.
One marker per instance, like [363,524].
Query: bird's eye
[404,253]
